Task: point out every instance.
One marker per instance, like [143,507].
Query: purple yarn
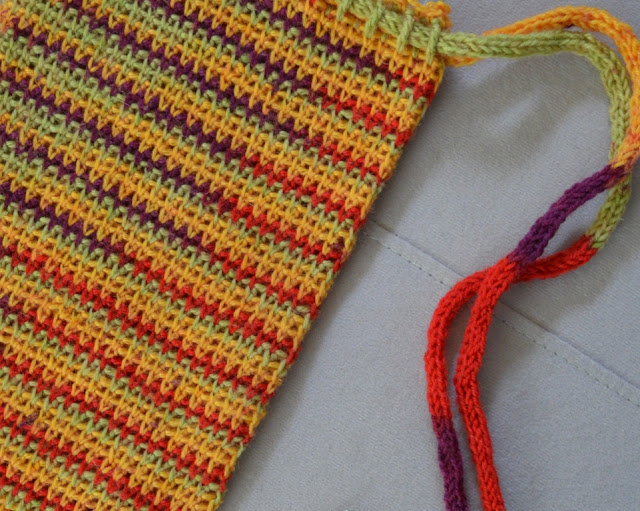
[451,466]
[533,244]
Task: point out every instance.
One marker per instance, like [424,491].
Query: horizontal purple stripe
[149,104]
[144,216]
[355,53]
[18,197]
[163,116]
[271,65]
[533,244]
[133,147]
[37,95]
[187,68]
[69,171]
[451,465]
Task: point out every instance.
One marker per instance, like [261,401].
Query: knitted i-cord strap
[541,34]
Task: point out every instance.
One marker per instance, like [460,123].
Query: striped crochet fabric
[179,184]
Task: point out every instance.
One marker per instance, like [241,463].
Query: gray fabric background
[349,429]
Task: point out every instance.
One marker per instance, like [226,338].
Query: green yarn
[405,30]
[434,41]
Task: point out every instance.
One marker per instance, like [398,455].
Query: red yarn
[487,286]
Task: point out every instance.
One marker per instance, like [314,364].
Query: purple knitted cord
[533,244]
[451,467]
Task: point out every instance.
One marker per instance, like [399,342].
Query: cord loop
[541,35]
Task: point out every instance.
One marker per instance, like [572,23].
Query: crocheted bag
[180,182]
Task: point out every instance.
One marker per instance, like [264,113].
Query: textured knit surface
[179,184]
